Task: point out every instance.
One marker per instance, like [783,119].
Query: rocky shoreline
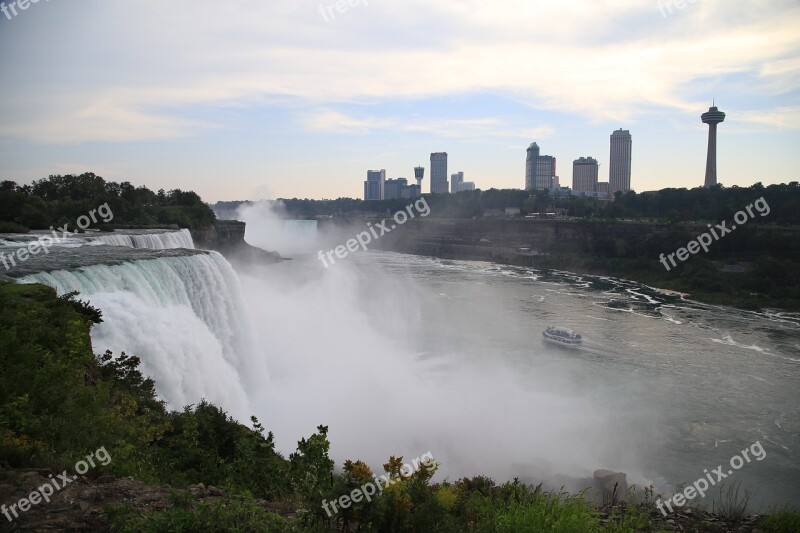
[84,505]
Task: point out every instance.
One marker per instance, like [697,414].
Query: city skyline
[236,105]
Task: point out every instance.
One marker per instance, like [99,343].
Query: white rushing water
[153,241]
[150,239]
[184,316]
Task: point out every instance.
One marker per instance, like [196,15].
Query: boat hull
[572,341]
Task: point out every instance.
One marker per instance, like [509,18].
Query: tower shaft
[711,158]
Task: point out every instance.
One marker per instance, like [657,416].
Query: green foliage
[213,517]
[47,383]
[311,474]
[58,401]
[785,520]
[83,308]
[12,227]
[59,200]
[203,444]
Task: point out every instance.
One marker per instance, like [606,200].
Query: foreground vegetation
[59,401]
[59,200]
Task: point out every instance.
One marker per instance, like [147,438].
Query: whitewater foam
[153,241]
[184,316]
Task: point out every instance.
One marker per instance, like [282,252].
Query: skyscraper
[530,166]
[584,175]
[373,187]
[619,169]
[439,173]
[545,172]
[455,181]
[540,170]
[393,188]
[712,117]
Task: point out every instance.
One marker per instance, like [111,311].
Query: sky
[256,99]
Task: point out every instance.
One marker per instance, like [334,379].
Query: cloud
[329,120]
[782,118]
[595,61]
[110,121]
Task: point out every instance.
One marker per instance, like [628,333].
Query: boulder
[611,486]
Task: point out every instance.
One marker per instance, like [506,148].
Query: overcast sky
[250,99]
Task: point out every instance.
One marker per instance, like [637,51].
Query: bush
[211,517]
[7,226]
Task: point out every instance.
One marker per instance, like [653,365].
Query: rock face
[227,238]
[612,486]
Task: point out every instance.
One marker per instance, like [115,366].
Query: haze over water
[402,354]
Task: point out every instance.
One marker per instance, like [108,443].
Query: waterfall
[153,241]
[183,316]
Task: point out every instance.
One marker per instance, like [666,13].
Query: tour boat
[562,336]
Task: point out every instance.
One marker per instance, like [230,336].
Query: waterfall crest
[153,241]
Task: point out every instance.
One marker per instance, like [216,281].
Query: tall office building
[545,172]
[530,166]
[619,168]
[455,181]
[393,188]
[584,175]
[712,117]
[540,170]
[373,187]
[439,173]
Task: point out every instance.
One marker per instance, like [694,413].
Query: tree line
[667,205]
[61,199]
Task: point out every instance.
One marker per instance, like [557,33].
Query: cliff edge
[227,238]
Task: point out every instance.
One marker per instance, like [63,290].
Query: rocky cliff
[227,238]
[514,240]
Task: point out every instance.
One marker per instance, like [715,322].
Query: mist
[269,229]
[386,362]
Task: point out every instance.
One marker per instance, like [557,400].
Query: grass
[733,500]
[209,517]
[783,521]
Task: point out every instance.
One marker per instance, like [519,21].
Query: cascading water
[153,241]
[184,316]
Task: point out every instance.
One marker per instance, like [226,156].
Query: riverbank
[756,269]
[122,504]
